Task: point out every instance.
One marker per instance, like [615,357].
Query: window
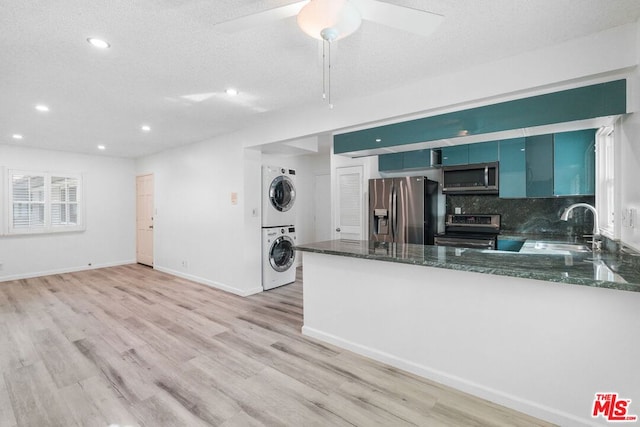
[606,181]
[44,202]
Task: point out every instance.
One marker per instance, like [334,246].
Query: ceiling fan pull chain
[329,76]
[324,78]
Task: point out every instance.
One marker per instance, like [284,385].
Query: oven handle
[460,243]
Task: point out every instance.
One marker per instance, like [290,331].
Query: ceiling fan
[331,20]
[341,13]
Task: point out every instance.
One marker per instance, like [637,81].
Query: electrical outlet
[629,217]
[254,212]
[184,264]
[458,211]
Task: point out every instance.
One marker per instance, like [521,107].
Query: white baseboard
[64,270]
[211,283]
[514,402]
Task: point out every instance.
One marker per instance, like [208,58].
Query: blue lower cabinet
[513,178]
[456,155]
[574,163]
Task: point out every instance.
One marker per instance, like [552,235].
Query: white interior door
[349,203]
[322,206]
[144,219]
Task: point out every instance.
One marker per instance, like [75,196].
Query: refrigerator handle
[394,209]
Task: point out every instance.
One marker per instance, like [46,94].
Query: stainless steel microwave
[481,178]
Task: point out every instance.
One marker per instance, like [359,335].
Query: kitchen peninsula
[538,333]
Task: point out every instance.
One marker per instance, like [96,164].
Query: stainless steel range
[470,231]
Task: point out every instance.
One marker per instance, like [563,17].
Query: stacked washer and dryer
[278,229]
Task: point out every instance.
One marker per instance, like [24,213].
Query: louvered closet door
[349,203]
[144,219]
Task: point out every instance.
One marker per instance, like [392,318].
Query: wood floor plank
[17,348]
[130,382]
[103,399]
[34,397]
[130,345]
[7,418]
[65,363]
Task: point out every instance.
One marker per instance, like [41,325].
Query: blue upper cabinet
[390,162]
[539,159]
[574,163]
[417,159]
[513,178]
[455,155]
[483,152]
[599,100]
[408,160]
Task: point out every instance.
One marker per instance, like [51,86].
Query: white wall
[109,195]
[198,232]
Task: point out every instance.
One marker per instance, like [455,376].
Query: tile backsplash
[529,216]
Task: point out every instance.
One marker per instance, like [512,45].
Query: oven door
[466,242]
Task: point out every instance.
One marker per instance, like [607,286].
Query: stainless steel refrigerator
[403,210]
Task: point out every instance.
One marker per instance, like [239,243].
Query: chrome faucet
[596,229]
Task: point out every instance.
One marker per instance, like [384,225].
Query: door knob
[338,229]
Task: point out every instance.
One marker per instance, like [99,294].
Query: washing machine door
[282,193]
[282,254]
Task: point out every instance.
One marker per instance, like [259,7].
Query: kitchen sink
[553,248]
[559,246]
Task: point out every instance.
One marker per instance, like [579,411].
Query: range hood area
[587,107]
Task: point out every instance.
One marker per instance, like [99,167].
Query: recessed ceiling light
[41,107]
[101,147]
[99,43]
[378,140]
[145,128]
[17,136]
[231,91]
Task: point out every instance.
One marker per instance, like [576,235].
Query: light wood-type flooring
[128,346]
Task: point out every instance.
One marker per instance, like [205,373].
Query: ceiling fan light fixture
[329,19]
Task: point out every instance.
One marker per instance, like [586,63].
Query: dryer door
[282,193]
[282,254]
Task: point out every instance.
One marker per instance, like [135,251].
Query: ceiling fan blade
[400,17]
[261,18]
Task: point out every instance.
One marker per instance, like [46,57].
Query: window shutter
[28,197]
[41,202]
[64,201]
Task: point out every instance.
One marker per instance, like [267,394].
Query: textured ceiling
[168,65]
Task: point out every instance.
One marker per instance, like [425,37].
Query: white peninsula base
[539,347]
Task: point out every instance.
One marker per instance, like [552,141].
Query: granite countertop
[620,271]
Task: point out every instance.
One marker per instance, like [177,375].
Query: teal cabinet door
[390,162]
[456,155]
[417,159]
[539,155]
[513,177]
[574,163]
[483,152]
